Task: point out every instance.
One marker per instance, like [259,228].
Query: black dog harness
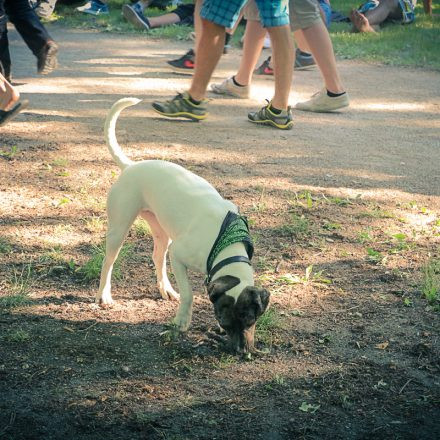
[234,229]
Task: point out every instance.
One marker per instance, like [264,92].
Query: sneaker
[82,8]
[47,58]
[184,64]
[229,88]
[265,68]
[322,103]
[134,15]
[181,107]
[283,121]
[96,8]
[303,62]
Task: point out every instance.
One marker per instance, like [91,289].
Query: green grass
[91,270]
[416,45]
[431,283]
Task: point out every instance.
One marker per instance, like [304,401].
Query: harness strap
[225,262]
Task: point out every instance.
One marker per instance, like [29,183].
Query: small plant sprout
[375,257]
[260,206]
[9,155]
[431,283]
[309,277]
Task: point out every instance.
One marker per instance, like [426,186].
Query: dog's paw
[104,300]
[169,294]
[182,322]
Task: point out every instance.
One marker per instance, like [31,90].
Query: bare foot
[9,96]
[360,22]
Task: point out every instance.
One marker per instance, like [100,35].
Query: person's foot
[265,69]
[321,102]
[360,22]
[303,61]
[47,58]
[7,115]
[184,64]
[229,88]
[96,8]
[181,106]
[134,15]
[266,116]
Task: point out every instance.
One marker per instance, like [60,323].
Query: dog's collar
[225,262]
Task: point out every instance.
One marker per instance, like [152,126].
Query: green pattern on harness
[236,231]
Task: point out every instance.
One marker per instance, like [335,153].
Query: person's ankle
[333,94]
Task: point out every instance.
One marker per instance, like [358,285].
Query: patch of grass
[225,361]
[141,228]
[13,301]
[416,44]
[5,246]
[268,324]
[20,284]
[431,283]
[297,227]
[374,256]
[91,270]
[55,263]
[9,155]
[365,236]
[94,224]
[260,206]
[18,336]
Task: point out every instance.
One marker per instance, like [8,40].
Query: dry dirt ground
[344,210]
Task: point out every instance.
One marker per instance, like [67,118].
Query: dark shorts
[185,13]
[226,12]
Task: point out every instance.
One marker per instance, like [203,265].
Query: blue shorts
[226,12]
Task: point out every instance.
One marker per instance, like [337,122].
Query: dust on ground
[344,210]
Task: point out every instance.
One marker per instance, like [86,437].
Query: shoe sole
[186,115]
[323,111]
[273,124]
[6,116]
[312,66]
[181,69]
[133,18]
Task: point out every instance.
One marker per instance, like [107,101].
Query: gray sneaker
[320,102]
[181,107]
[229,88]
[283,121]
[303,62]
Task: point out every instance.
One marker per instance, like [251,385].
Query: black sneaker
[283,121]
[184,64]
[181,107]
[47,58]
[264,69]
[303,62]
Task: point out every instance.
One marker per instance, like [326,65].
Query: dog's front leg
[184,312]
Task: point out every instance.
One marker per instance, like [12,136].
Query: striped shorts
[226,12]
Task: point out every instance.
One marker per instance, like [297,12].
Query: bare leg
[282,49]
[317,40]
[252,45]
[208,53]
[163,20]
[197,23]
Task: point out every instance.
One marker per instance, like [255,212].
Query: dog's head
[238,317]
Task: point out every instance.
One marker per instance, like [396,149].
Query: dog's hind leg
[120,217]
[161,243]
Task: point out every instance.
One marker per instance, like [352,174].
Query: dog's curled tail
[110,131]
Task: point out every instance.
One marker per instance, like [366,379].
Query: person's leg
[8,94]
[5,57]
[252,46]
[318,41]
[386,8]
[163,20]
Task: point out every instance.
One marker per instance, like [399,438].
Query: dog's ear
[251,304]
[220,286]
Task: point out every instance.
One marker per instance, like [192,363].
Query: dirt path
[354,347]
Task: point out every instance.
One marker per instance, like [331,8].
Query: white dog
[202,231]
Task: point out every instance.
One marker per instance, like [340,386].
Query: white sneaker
[84,7]
[322,103]
[228,88]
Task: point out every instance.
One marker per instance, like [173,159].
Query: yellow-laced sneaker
[181,107]
[283,121]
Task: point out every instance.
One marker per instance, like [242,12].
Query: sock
[305,54]
[275,110]
[334,95]
[236,83]
[193,101]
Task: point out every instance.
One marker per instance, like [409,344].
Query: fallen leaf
[382,345]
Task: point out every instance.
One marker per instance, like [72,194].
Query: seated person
[371,14]
[182,15]
[100,7]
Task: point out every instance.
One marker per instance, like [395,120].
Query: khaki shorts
[303,13]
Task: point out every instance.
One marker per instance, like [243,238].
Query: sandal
[5,116]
